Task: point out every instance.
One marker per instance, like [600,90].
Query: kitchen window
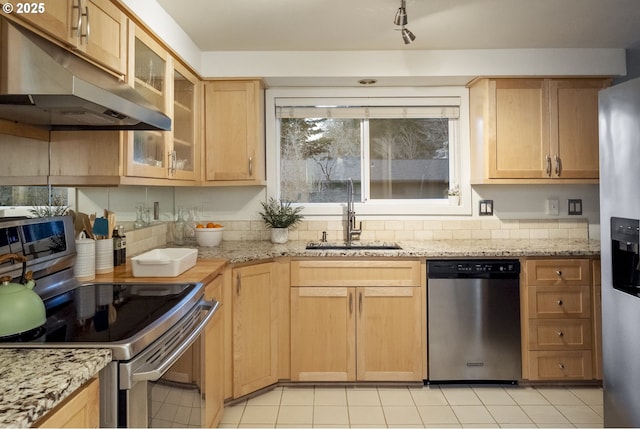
[403,154]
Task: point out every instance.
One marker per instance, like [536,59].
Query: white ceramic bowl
[209,237]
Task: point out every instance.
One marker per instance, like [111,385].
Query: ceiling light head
[407,36]
[401,16]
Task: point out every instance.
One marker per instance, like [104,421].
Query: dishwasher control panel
[472,268]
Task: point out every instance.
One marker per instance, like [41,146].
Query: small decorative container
[209,237]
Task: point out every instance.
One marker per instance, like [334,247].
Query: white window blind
[445,107]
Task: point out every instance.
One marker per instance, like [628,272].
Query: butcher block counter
[204,271]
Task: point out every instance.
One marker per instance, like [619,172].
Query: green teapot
[21,309]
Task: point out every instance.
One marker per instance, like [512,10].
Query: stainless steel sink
[353,245]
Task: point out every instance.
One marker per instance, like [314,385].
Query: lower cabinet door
[323,334]
[389,334]
[356,333]
[80,410]
[255,333]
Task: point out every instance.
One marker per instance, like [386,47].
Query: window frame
[460,162]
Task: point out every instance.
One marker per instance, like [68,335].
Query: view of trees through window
[42,200]
[406,158]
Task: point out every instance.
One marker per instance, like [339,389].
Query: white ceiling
[336,25]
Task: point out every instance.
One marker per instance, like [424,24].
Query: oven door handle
[153,372]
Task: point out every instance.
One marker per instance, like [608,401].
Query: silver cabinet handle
[174,165]
[558,166]
[78,27]
[250,166]
[87,33]
[548,171]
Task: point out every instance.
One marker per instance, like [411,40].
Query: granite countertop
[247,251]
[34,381]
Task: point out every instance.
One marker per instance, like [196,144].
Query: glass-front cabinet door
[148,151]
[184,159]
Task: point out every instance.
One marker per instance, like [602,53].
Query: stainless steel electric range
[147,326]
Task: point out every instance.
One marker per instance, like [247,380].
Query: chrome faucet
[353,233]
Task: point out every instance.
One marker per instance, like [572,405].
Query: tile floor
[440,406]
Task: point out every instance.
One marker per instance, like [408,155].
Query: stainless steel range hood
[43,84]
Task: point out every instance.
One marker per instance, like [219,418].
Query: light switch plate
[574,207]
[486,208]
[553,207]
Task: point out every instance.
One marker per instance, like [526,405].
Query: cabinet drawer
[355,273]
[558,272]
[560,365]
[559,302]
[549,334]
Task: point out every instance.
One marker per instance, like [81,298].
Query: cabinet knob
[560,334]
[561,366]
[558,273]
[560,302]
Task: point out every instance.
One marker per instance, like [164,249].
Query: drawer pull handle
[561,334]
[560,302]
[558,273]
[561,366]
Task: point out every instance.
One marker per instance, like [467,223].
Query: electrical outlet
[553,207]
[575,207]
[486,208]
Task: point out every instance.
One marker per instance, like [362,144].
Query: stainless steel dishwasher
[473,320]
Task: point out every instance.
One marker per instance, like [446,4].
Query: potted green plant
[280,216]
[454,195]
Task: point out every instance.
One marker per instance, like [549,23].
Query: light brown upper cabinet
[147,152]
[97,29]
[234,133]
[185,156]
[175,91]
[534,130]
[139,157]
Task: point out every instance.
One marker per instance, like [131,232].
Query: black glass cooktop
[105,313]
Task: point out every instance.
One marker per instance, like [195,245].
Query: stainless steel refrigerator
[619,123]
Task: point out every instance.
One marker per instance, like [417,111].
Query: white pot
[454,200]
[279,235]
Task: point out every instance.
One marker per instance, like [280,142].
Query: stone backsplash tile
[141,240]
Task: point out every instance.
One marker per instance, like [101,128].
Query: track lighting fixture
[402,20]
[401,15]
[407,36]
